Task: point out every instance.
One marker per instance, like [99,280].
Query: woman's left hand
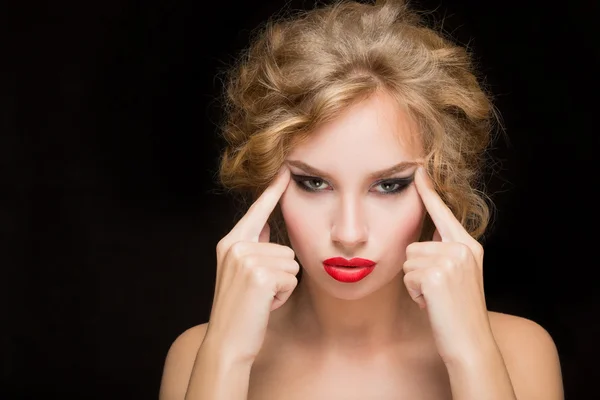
[445,277]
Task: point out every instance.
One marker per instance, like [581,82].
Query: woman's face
[339,205]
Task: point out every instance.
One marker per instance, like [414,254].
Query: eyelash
[401,182]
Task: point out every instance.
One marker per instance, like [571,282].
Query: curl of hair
[304,70]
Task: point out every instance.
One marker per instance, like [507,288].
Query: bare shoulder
[530,355]
[180,361]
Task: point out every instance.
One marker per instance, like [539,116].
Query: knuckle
[435,277]
[259,277]
[406,278]
[222,246]
[296,266]
[478,249]
[411,249]
[236,250]
[449,263]
[250,263]
[463,251]
[291,252]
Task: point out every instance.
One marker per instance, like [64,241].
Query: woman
[359,134]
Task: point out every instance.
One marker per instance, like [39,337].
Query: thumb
[265,234]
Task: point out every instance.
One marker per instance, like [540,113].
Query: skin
[416,327]
[352,216]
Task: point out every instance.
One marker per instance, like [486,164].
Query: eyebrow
[384,173]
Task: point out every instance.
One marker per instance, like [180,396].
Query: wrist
[218,373]
[224,352]
[480,374]
[473,356]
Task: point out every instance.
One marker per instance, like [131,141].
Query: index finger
[252,223]
[446,223]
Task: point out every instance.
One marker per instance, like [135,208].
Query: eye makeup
[395,185]
[390,186]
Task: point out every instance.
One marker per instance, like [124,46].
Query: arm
[519,361]
[216,376]
[197,368]
[482,376]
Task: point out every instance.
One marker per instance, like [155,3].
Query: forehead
[374,133]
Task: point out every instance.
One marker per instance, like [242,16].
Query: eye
[392,186]
[315,184]
[388,187]
[310,183]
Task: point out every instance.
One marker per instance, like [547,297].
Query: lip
[354,262]
[348,271]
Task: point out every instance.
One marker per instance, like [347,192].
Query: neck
[383,318]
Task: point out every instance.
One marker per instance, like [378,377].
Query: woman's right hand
[254,277]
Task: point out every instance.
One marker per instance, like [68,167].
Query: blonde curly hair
[304,70]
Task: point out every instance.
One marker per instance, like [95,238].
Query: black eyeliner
[299,179]
[402,183]
[303,177]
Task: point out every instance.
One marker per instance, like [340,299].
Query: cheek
[304,221]
[394,228]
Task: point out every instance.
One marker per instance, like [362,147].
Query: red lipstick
[348,271]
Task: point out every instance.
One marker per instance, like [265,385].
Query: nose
[349,227]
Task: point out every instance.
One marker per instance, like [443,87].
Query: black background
[110,213]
